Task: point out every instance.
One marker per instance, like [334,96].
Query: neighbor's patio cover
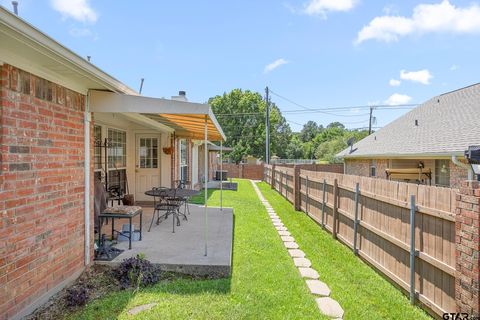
[186,118]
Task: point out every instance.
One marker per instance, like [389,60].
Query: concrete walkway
[320,290]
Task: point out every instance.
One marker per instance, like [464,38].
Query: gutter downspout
[87,120]
[463,165]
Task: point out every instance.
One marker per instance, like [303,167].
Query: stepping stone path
[141,308]
[327,306]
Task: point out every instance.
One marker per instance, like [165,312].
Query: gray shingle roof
[447,124]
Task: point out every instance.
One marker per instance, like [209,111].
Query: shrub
[137,272]
[77,296]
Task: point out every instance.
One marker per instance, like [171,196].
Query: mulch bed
[98,280]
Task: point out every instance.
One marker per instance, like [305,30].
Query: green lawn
[361,292]
[264,284]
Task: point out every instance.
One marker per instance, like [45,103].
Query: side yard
[362,292]
[264,285]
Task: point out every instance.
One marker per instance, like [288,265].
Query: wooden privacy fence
[379,220]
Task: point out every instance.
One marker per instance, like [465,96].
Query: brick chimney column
[467,233]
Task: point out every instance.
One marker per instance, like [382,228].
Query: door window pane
[148,153]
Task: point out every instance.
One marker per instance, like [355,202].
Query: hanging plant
[167,150]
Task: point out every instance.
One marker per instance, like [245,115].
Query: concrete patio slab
[283,233]
[281,228]
[184,250]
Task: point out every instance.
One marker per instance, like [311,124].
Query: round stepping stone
[281,228]
[330,307]
[287,239]
[141,308]
[291,245]
[302,262]
[296,253]
[318,287]
[283,233]
[309,273]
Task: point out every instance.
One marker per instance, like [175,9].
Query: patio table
[122,212]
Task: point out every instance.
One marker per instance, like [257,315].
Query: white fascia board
[143,120]
[215,123]
[446,155]
[104,101]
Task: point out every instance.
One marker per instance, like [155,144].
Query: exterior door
[147,166]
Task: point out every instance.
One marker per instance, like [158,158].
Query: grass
[264,284]
[361,291]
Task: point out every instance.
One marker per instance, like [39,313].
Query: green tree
[242,115]
[295,148]
[310,130]
[334,140]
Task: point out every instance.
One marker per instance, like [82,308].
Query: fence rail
[391,225]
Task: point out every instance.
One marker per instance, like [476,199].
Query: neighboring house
[425,145]
[55,110]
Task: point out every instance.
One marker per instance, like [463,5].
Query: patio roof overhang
[186,119]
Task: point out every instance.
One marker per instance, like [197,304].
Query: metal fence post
[355,223]
[412,249]
[323,202]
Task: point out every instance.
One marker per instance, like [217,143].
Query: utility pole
[370,121]
[267,128]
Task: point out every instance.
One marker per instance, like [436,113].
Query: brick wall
[457,175]
[361,167]
[42,187]
[467,238]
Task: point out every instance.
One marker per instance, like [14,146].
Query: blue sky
[317,53]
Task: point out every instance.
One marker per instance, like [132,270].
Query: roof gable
[444,125]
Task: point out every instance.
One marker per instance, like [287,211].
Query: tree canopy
[242,116]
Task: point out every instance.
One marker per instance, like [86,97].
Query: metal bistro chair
[184,184]
[168,204]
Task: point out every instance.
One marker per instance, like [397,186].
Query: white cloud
[421,76]
[454,67]
[321,7]
[394,82]
[274,65]
[397,98]
[426,18]
[79,10]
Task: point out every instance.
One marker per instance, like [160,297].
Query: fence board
[383,237]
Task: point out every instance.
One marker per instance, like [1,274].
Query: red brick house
[54,104]
[425,145]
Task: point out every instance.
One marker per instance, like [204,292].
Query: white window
[442,173]
[183,159]
[117,151]
[97,151]
[373,168]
